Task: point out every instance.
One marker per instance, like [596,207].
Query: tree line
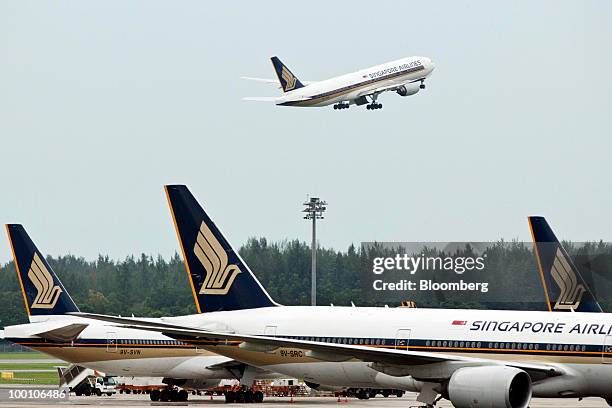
[154,286]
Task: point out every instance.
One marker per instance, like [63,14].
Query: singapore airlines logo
[47,292]
[564,276]
[219,275]
[290,80]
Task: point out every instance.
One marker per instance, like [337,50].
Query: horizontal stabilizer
[64,333]
[60,331]
[271,81]
[260,98]
[264,80]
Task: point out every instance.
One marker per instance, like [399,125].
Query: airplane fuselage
[126,352]
[350,87]
[580,344]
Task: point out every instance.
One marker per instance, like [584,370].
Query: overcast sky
[103,102]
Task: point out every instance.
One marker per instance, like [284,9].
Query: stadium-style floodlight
[314,211]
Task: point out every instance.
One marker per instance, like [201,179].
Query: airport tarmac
[408,400]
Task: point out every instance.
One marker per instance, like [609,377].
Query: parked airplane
[474,358]
[405,76]
[103,347]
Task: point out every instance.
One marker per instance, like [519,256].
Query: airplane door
[270,331]
[402,338]
[606,355]
[111,342]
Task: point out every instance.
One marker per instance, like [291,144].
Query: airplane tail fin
[565,288]
[43,292]
[288,81]
[220,279]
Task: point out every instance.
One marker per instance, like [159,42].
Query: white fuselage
[123,351]
[576,342]
[351,86]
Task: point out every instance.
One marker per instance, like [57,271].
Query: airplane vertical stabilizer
[42,290]
[565,288]
[288,81]
[219,278]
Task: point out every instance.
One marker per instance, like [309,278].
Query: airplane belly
[582,380]
[359,373]
[173,367]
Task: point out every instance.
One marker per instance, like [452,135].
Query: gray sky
[103,102]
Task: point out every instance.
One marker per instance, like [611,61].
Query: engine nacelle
[408,89]
[492,386]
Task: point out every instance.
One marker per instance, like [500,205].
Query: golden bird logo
[219,274]
[289,79]
[47,292]
[565,278]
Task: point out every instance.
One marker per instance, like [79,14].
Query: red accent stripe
[459,322]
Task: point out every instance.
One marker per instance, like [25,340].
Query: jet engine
[490,386]
[408,89]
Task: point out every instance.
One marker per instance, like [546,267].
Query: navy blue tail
[42,290]
[288,81]
[566,290]
[219,278]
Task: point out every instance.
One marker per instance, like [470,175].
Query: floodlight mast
[314,211]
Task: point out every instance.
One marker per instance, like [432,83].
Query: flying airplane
[103,347]
[405,76]
[474,358]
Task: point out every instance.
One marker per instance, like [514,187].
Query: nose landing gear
[422,86]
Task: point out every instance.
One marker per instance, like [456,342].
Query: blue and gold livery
[288,81]
[565,288]
[43,292]
[220,279]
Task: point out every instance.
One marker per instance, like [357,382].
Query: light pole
[314,211]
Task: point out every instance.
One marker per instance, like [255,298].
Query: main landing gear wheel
[373,106]
[248,396]
[154,395]
[341,106]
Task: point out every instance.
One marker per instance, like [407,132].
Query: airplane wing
[411,362]
[380,90]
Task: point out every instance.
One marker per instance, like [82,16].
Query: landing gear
[373,105]
[422,86]
[155,395]
[363,394]
[169,394]
[341,106]
[244,396]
